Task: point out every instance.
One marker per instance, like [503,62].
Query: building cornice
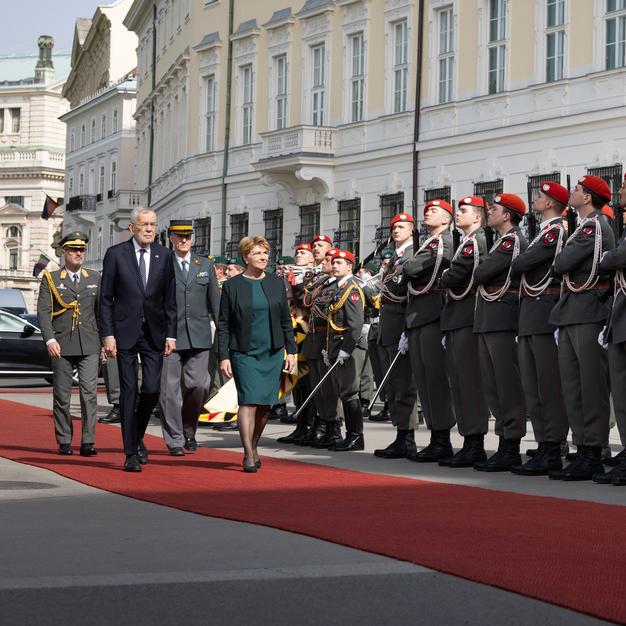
[99,98]
[136,15]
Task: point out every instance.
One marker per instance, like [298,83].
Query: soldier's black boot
[329,436]
[439,448]
[311,435]
[589,465]
[576,458]
[382,416]
[299,433]
[502,461]
[619,473]
[365,408]
[403,445]
[612,462]
[473,451]
[547,459]
[353,414]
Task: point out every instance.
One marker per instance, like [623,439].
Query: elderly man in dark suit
[185,379]
[138,319]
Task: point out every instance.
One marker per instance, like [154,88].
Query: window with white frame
[70,186]
[99,242]
[16,115]
[92,137]
[209,115]
[83,135]
[113,186]
[357,81]
[72,140]
[247,109]
[555,39]
[115,121]
[2,120]
[400,65]
[111,234]
[103,126]
[446,55]
[318,91]
[101,181]
[280,63]
[615,34]
[81,184]
[496,48]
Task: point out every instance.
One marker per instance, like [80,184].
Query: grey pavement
[72,554]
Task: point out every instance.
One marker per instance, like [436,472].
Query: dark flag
[41,264]
[49,206]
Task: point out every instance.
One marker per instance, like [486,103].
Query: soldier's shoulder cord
[56,296]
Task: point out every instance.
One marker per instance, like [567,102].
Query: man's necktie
[142,267]
[185,270]
[75,280]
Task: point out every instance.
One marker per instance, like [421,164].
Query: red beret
[330,252]
[325,238]
[441,204]
[555,191]
[343,254]
[511,201]
[401,217]
[303,246]
[597,186]
[472,201]
[608,211]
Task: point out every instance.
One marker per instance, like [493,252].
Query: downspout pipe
[229,82]
[151,150]
[418,106]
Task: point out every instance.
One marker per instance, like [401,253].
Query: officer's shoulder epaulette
[588,229]
[468,249]
[507,242]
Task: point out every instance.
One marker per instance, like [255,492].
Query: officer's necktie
[142,267]
[185,270]
[75,280]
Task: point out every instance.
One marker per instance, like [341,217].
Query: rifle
[456,235]
[490,236]
[619,221]
[416,232]
[531,218]
[377,250]
[571,213]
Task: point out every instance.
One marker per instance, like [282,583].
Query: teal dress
[257,372]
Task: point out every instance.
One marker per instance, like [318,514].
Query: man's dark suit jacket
[235,321]
[123,302]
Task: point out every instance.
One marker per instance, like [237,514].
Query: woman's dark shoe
[250,468]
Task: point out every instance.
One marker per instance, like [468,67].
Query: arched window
[14,231]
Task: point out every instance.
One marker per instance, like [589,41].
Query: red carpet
[566,552]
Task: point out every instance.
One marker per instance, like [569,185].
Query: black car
[22,348]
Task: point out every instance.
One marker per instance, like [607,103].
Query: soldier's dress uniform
[185,379]
[400,390]
[462,363]
[347,343]
[615,335]
[536,348]
[423,329]
[67,311]
[496,322]
[581,314]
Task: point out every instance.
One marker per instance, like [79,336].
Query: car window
[9,323]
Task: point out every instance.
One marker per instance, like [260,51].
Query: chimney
[44,70]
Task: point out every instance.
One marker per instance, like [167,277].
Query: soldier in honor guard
[536,348]
[423,330]
[496,322]
[346,344]
[66,312]
[400,390]
[457,321]
[580,315]
[320,246]
[615,336]
[185,380]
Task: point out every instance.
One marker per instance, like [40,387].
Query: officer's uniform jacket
[460,279]
[615,260]
[346,318]
[425,268]
[197,300]
[576,260]
[534,267]
[318,294]
[493,273]
[393,298]
[68,313]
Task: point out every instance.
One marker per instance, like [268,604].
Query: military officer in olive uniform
[347,344]
[581,314]
[457,320]
[423,330]
[66,312]
[496,321]
[185,380]
[615,335]
[536,348]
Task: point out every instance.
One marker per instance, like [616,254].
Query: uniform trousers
[497,352]
[326,396]
[366,379]
[470,406]
[111,380]
[617,371]
[585,380]
[62,370]
[427,357]
[376,357]
[400,390]
[346,377]
[215,375]
[300,393]
[185,384]
[541,381]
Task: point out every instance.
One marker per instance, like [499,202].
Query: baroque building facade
[32,162]
[285,120]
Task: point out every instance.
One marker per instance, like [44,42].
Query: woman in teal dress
[254,331]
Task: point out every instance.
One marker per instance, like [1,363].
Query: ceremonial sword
[383,381]
[330,369]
